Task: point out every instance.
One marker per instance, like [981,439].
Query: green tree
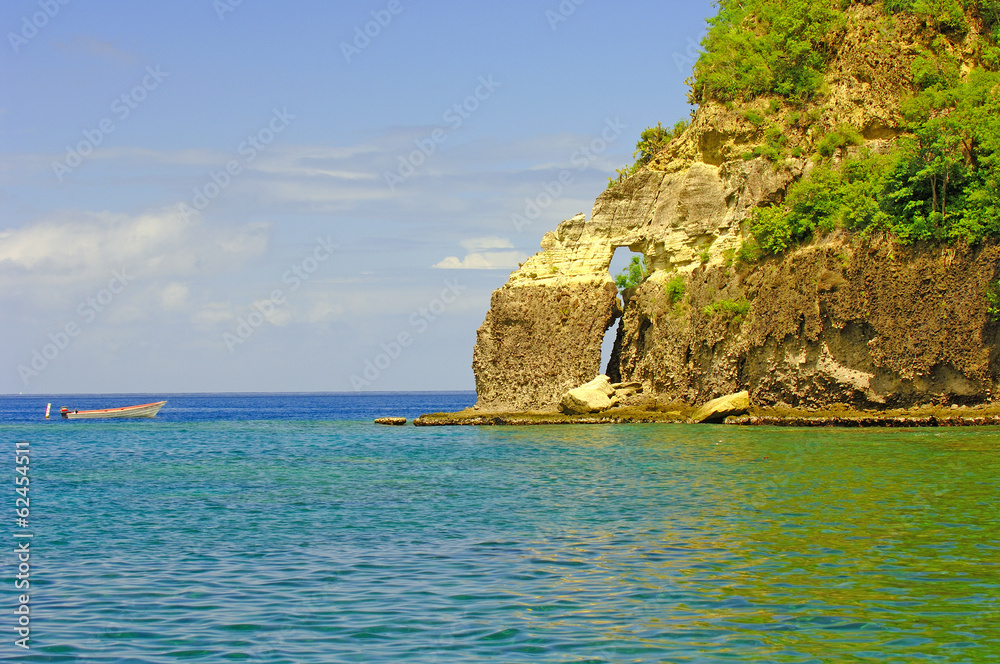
[651,141]
[633,275]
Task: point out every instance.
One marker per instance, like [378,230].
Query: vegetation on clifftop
[782,47]
[651,141]
[759,47]
[939,182]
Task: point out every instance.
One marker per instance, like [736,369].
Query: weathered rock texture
[840,320]
[540,340]
[592,397]
[543,333]
[391,421]
[871,325]
[720,408]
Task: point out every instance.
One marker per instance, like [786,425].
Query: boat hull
[144,410]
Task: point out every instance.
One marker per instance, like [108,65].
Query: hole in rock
[620,263]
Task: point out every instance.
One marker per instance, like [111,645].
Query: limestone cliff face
[543,333]
[870,323]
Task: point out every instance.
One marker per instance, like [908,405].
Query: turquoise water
[326,540]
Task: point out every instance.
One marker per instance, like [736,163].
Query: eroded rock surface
[717,410]
[592,397]
[540,340]
[873,326]
[543,333]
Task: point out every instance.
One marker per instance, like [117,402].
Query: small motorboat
[145,410]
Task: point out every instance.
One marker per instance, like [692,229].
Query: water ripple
[345,542]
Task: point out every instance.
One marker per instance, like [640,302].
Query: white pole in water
[48,407]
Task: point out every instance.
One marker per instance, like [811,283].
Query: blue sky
[214,195]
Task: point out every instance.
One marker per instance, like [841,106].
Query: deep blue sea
[289,528]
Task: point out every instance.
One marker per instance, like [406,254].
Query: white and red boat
[145,410]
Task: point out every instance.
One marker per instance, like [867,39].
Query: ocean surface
[289,528]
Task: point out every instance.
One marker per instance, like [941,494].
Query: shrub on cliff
[839,141]
[733,309]
[812,202]
[651,141]
[674,289]
[993,300]
[654,139]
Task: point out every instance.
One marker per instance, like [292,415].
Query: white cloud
[478,182]
[249,241]
[80,45]
[213,313]
[69,249]
[323,311]
[277,315]
[292,161]
[487,260]
[482,255]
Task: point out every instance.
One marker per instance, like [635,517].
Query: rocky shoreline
[984,415]
[865,421]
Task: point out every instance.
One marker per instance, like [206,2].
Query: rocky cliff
[842,319]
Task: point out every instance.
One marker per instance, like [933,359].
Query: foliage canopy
[757,47]
[941,183]
[941,180]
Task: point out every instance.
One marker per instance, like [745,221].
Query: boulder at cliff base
[719,409]
[591,397]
